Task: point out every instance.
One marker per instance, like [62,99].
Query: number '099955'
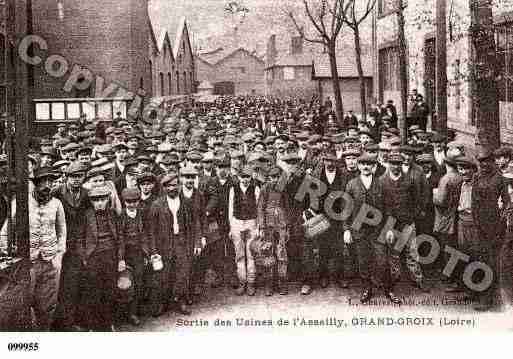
[23,347]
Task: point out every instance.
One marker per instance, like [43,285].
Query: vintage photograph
[287,165]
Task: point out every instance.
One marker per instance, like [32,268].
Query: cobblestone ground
[222,304]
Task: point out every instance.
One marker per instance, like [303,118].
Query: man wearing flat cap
[178,236]
[331,246]
[483,196]
[121,153]
[401,202]
[47,246]
[75,200]
[137,246]
[102,253]
[242,215]
[373,259]
[502,157]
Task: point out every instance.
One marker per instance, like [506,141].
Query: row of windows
[183,83]
[289,73]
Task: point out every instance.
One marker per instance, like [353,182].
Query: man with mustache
[47,246]
[177,233]
[272,224]
[372,255]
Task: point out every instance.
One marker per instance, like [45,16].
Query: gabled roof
[219,55]
[166,27]
[293,60]
[197,57]
[180,29]
[214,56]
[346,66]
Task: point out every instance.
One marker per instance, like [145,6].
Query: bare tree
[354,18]
[327,18]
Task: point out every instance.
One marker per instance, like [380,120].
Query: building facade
[305,71]
[94,49]
[171,60]
[237,72]
[420,31]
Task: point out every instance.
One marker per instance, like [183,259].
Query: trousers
[243,233]
[44,288]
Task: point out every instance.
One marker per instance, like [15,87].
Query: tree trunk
[403,75]
[484,70]
[358,53]
[336,83]
[441,69]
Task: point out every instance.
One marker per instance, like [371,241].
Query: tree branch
[301,31]
[314,23]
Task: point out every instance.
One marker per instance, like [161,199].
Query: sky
[211,27]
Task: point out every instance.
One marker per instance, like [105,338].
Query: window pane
[120,106]
[104,110]
[88,109]
[58,111]
[42,111]
[288,73]
[73,111]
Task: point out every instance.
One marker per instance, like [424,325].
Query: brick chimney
[271,52]
[296,45]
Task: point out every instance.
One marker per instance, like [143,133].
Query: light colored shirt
[187,192]
[367,181]
[174,205]
[330,176]
[465,204]
[132,213]
[439,157]
[47,228]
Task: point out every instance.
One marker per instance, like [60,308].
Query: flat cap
[100,191]
[395,157]
[76,167]
[367,158]
[72,146]
[168,178]
[131,194]
[194,156]
[290,157]
[119,146]
[146,177]
[44,172]
[352,152]
[330,156]
[170,159]
[484,154]
[425,158]
[465,161]
[188,171]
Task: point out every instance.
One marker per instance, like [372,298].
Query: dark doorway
[224,88]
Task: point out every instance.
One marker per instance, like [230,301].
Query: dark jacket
[88,234]
[73,211]
[189,222]
[486,191]
[143,239]
[361,195]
